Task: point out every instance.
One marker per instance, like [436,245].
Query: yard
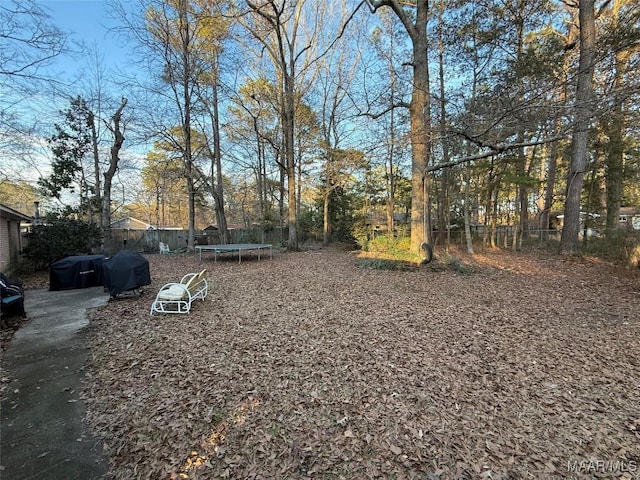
[306,366]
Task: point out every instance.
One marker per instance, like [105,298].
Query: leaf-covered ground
[306,366]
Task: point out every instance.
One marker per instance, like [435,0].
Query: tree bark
[185,81]
[443,202]
[118,141]
[615,150]
[569,244]
[326,224]
[96,166]
[419,117]
[218,189]
[467,211]
[284,56]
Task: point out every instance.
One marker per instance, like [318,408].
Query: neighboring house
[558,223]
[133,234]
[11,241]
[378,220]
[629,218]
[130,223]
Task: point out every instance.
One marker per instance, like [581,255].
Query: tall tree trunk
[96,166]
[554,154]
[218,189]
[391,177]
[284,56]
[282,196]
[326,223]
[186,120]
[290,159]
[118,141]
[391,170]
[523,188]
[549,188]
[419,116]
[260,170]
[575,179]
[615,150]
[549,192]
[443,203]
[467,211]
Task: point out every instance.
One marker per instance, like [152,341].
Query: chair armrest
[11,299]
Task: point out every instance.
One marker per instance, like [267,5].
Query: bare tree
[393,84]
[279,35]
[209,39]
[29,42]
[294,36]
[253,127]
[171,33]
[116,129]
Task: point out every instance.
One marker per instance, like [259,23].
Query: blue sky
[87,21]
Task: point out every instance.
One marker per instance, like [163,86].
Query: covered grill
[126,271]
[81,271]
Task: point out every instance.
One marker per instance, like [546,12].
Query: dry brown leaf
[282,349]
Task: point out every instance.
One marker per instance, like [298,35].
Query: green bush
[60,237]
[389,248]
[360,234]
[620,247]
[385,264]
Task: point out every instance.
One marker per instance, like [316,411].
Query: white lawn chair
[177,297]
[164,248]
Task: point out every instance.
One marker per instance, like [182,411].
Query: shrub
[620,247]
[388,248]
[385,264]
[360,233]
[60,237]
[454,264]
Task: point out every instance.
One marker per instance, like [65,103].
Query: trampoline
[235,247]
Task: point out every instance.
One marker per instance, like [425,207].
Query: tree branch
[493,150]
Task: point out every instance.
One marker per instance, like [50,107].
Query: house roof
[9,212]
[131,223]
[629,210]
